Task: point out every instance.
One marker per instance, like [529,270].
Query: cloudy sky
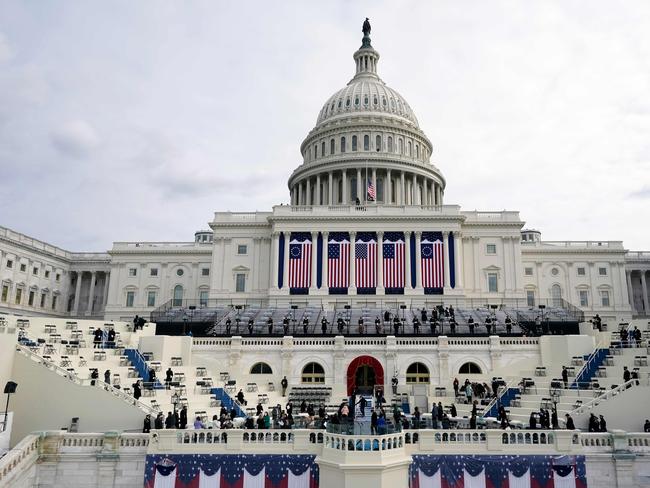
[135,120]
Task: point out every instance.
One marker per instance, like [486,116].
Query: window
[5,292]
[408,148]
[10,263]
[331,146]
[47,274]
[261,368]
[151,299]
[240,282]
[58,277]
[153,272]
[54,300]
[528,271]
[203,298]
[584,298]
[491,249]
[322,148]
[130,298]
[366,143]
[380,189]
[177,301]
[556,295]
[43,297]
[400,146]
[315,151]
[180,272]
[23,268]
[242,249]
[417,373]
[356,100]
[354,143]
[604,298]
[581,271]
[133,271]
[390,144]
[313,373]
[470,368]
[35,271]
[492,283]
[19,295]
[417,150]
[342,144]
[378,143]
[30,299]
[555,271]
[530,298]
[602,271]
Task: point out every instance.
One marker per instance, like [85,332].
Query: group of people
[471,391]
[138,323]
[101,341]
[630,338]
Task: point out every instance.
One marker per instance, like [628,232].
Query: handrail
[25,451]
[605,396]
[592,357]
[496,399]
[86,382]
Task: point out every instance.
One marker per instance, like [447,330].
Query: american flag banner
[432,260]
[300,250]
[394,261]
[365,260]
[338,260]
[372,194]
[231,470]
[504,471]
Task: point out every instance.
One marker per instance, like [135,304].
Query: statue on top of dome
[366,27]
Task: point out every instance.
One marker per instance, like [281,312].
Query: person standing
[169,376]
[565,377]
[169,421]
[137,390]
[394,383]
[602,424]
[183,417]
[146,427]
[158,422]
[626,374]
[456,384]
[373,422]
[284,383]
[569,422]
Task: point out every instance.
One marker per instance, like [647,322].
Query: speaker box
[10,387]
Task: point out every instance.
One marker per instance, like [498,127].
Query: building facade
[366,224]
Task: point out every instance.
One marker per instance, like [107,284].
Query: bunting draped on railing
[463,471]
[231,471]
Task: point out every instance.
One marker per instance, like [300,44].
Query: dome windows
[375,101]
[378,143]
[354,143]
[417,151]
[408,149]
[322,148]
[347,102]
[356,101]
[366,143]
[340,104]
[365,100]
[342,144]
[390,144]
[400,146]
[383,101]
[332,146]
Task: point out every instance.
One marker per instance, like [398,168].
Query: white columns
[374,182]
[407,263]
[425,192]
[630,292]
[318,190]
[93,277]
[388,198]
[414,190]
[402,189]
[475,264]
[359,187]
[77,294]
[418,260]
[324,265]
[300,193]
[107,280]
[445,254]
[314,260]
[330,187]
[285,263]
[644,288]
[353,253]
[344,187]
[307,192]
[380,262]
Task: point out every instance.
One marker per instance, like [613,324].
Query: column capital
[314,234]
[418,234]
[380,233]
[445,234]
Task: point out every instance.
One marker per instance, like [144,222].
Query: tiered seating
[316,395]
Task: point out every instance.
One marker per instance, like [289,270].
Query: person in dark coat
[158,422]
[569,422]
[137,391]
[94,374]
[152,375]
[169,376]
[532,421]
[602,424]
[284,383]
[169,421]
[107,376]
[146,427]
[373,423]
[565,377]
[97,338]
[183,417]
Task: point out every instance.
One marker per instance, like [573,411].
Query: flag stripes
[338,264]
[393,265]
[365,263]
[300,263]
[431,263]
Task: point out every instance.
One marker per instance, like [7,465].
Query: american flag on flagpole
[432,263]
[299,264]
[365,263]
[393,263]
[371,191]
[338,264]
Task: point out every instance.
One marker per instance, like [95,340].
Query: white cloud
[75,138]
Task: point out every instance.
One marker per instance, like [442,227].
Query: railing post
[564,440]
[235,439]
[494,440]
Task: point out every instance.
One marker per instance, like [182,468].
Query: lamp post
[175,401]
[10,388]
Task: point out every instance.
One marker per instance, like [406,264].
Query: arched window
[365,100]
[470,368]
[342,144]
[375,101]
[366,143]
[400,146]
[354,143]
[322,149]
[261,368]
[390,144]
[331,146]
[178,296]
[408,148]
[315,151]
[313,373]
[417,151]
[378,143]
[556,295]
[356,101]
[417,373]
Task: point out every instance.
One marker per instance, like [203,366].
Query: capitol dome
[366,145]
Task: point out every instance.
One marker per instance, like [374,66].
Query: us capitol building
[367,177]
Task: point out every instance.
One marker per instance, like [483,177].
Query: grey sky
[136,120]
